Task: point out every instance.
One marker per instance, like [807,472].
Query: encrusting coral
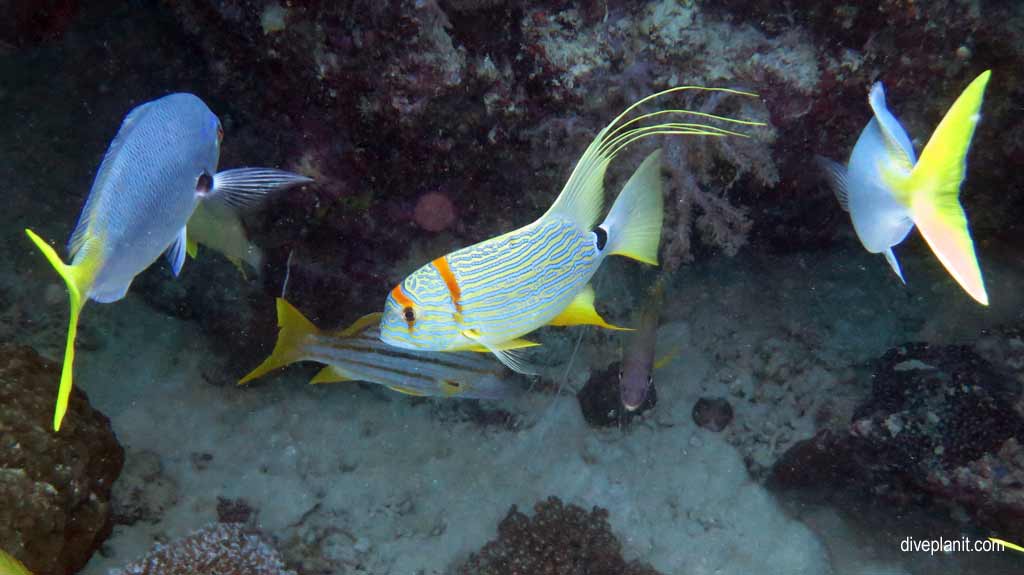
[559,539]
[217,549]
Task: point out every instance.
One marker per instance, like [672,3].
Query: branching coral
[704,171]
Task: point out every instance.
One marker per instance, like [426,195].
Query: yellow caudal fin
[933,190]
[581,312]
[633,224]
[294,327]
[11,566]
[77,279]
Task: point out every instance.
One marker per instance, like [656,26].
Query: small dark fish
[637,376]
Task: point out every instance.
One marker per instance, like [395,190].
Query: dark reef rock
[712,413]
[941,427]
[220,548]
[560,539]
[55,488]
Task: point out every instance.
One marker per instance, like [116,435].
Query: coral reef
[559,539]
[940,428]
[55,487]
[221,548]
[712,413]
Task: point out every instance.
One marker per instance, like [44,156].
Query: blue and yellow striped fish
[485,297]
[356,353]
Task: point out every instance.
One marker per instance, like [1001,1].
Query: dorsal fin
[897,142]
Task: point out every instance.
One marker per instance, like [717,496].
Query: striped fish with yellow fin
[485,297]
[356,353]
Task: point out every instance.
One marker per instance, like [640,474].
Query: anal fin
[331,374]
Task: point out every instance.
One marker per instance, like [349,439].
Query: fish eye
[410,316]
[620,375]
[650,379]
[204,184]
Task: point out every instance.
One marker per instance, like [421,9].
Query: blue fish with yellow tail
[356,353]
[159,167]
[485,297]
[888,191]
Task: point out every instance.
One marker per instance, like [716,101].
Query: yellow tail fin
[288,348]
[77,279]
[933,190]
[11,566]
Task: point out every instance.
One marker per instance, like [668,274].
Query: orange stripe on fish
[441,264]
[398,294]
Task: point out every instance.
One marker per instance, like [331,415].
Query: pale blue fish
[159,167]
[485,297]
[357,354]
[887,190]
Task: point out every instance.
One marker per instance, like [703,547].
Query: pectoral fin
[505,354]
[246,187]
[581,312]
[836,174]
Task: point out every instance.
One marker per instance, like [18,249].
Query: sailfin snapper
[356,353]
[496,291]
[888,191]
[161,164]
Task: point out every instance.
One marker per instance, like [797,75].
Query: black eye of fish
[410,316]
[204,184]
[620,375]
[601,237]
